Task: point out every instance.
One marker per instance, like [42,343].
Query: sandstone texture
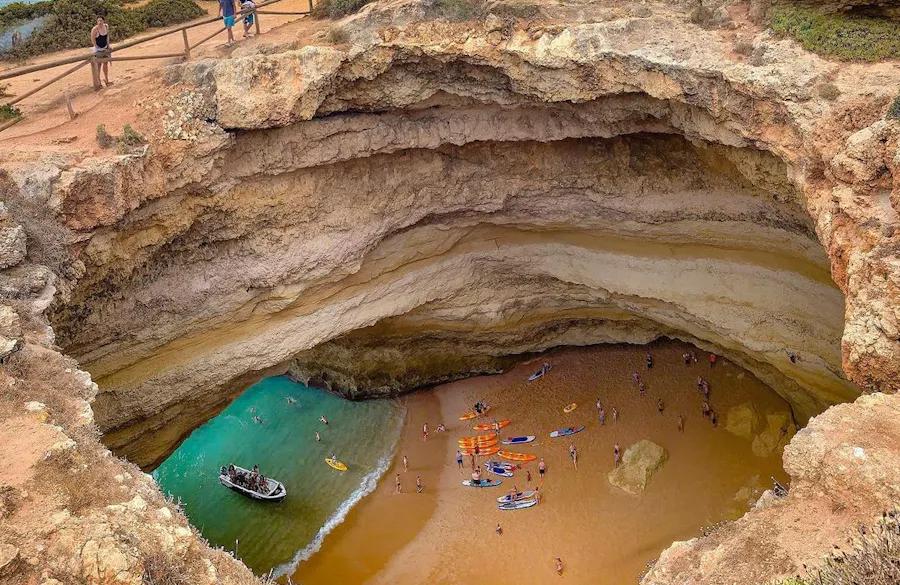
[639,463]
[440,196]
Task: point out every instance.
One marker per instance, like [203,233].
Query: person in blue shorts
[227,10]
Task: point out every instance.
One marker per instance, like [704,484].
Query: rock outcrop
[639,463]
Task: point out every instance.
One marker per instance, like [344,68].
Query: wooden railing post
[256,20]
[310,6]
[95,73]
[187,45]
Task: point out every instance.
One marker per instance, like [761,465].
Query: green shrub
[104,138]
[893,112]
[130,137]
[457,9]
[8,112]
[71,21]
[843,36]
[20,11]
[337,8]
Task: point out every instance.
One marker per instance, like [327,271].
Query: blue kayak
[566,431]
[481,483]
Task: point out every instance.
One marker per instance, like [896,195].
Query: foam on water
[270,536]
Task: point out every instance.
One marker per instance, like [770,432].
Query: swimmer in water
[291,400]
[323,419]
[257,420]
[318,438]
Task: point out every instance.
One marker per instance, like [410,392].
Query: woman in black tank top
[100,40]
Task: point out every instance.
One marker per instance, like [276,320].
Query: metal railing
[95,60]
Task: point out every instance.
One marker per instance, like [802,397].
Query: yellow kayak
[336,464]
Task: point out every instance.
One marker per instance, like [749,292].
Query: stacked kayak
[514,456]
[518,440]
[481,450]
[490,426]
[517,505]
[518,496]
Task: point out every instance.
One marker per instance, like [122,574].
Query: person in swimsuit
[318,438]
[323,419]
[100,44]
[398,483]
[248,6]
[419,486]
[227,11]
[405,463]
[542,468]
[660,406]
[573,452]
[499,530]
[615,414]
[459,459]
[602,414]
[425,432]
[559,566]
[649,360]
[617,455]
[680,423]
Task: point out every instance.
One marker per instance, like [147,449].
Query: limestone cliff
[593,173]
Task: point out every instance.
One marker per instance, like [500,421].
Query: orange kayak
[513,456]
[490,426]
[487,437]
[470,414]
[481,444]
[481,450]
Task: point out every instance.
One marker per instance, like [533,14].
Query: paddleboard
[570,408]
[336,464]
[482,483]
[518,440]
[499,471]
[539,374]
[513,456]
[517,505]
[490,426]
[519,496]
[566,431]
[503,464]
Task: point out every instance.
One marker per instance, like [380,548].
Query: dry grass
[872,558]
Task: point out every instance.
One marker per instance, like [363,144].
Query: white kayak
[516,497]
[517,505]
[518,440]
[501,471]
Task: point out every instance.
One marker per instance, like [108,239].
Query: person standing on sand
[425,432]
[642,388]
[712,359]
[680,423]
[227,10]
[649,360]
[617,455]
[528,473]
[573,453]
[499,530]
[458,459]
[398,483]
[542,468]
[602,415]
[615,414]
[660,406]
[559,566]
[405,463]
[419,486]
[537,495]
[100,44]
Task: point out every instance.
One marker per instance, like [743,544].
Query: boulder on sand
[639,463]
[742,420]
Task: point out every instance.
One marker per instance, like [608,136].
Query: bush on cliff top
[19,11]
[870,559]
[337,8]
[842,36]
[70,23]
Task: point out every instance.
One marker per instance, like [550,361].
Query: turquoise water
[279,535]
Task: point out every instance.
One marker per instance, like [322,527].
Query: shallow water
[276,535]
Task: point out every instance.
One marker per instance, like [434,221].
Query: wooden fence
[95,60]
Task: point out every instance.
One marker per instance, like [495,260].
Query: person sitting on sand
[559,566]
[660,406]
[441,428]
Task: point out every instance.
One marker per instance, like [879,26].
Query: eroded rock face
[598,174]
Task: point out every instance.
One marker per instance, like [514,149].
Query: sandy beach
[603,535]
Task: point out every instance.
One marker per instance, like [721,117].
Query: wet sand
[604,535]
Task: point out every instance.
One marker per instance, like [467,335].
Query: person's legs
[105,67]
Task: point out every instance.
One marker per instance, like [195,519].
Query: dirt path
[46,110]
